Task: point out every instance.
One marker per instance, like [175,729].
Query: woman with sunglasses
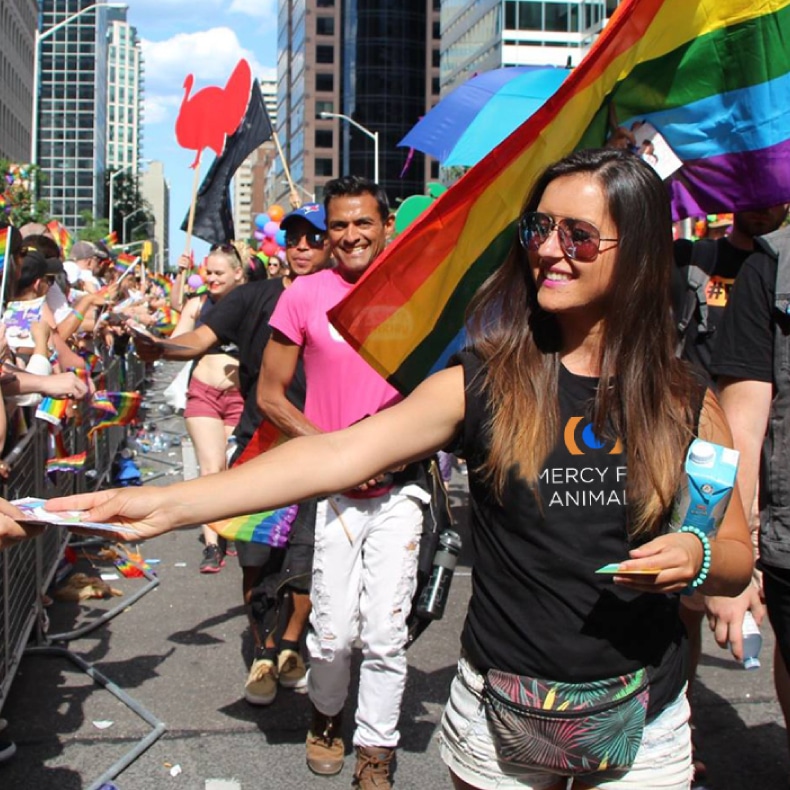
[574,417]
[214,402]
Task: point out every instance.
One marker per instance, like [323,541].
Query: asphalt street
[181,654]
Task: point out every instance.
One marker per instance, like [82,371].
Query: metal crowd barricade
[28,569]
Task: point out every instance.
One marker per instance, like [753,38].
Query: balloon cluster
[270,238]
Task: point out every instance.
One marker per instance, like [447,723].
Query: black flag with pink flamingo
[233,122]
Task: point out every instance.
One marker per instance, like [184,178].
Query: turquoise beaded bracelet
[699,579]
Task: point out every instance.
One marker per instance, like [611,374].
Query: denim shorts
[663,761]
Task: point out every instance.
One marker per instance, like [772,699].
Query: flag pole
[294,197]
[191,219]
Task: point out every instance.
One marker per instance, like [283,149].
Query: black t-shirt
[537,607]
[728,261]
[745,342]
[242,318]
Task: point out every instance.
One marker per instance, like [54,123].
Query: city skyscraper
[72,138]
[155,191]
[480,35]
[18,20]
[124,94]
[377,63]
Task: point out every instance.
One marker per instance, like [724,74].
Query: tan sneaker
[373,768]
[324,747]
[261,685]
[291,670]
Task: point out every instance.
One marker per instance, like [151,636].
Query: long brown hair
[651,397]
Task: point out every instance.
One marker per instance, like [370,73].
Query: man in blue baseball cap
[305,235]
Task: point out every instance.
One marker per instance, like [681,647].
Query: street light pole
[125,220]
[38,37]
[113,176]
[373,136]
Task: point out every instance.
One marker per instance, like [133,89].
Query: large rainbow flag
[711,75]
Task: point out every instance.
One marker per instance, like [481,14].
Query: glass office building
[480,35]
[376,62]
[124,94]
[72,139]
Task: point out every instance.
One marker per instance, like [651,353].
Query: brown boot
[324,745]
[373,767]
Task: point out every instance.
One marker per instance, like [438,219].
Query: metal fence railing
[27,570]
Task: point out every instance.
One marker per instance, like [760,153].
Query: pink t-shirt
[341,387]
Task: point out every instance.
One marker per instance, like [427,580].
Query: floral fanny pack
[567,728]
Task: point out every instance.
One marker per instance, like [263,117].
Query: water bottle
[752,642]
[433,598]
[230,449]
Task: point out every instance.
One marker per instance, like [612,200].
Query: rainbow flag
[126,405]
[61,236]
[163,282]
[710,75]
[101,402]
[69,463]
[111,239]
[52,410]
[271,526]
[268,526]
[5,244]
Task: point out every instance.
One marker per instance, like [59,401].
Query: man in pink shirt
[366,540]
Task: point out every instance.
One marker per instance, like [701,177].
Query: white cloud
[210,55]
[263,9]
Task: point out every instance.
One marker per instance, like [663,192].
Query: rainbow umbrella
[472,120]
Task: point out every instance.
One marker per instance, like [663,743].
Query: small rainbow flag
[101,402]
[69,463]
[710,75]
[126,405]
[52,410]
[166,320]
[162,281]
[61,236]
[111,239]
[5,244]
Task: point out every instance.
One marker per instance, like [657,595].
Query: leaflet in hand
[163,343]
[34,513]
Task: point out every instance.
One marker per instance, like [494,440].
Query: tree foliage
[17,198]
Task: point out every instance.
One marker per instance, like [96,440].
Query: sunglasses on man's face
[315,239]
[579,240]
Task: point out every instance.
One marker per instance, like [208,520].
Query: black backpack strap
[698,271]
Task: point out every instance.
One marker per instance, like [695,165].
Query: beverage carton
[707,487]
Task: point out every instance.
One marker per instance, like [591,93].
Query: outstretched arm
[307,466]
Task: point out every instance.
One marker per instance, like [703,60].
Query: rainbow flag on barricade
[268,526]
[52,410]
[126,405]
[5,246]
[69,463]
[712,76]
[61,236]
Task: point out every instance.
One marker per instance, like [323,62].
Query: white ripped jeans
[364,577]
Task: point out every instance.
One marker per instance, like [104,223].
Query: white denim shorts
[663,761]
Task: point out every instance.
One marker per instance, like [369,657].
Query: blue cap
[313,212]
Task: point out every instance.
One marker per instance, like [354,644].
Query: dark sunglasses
[228,249]
[314,239]
[579,240]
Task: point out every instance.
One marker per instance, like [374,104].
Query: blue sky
[205,38]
